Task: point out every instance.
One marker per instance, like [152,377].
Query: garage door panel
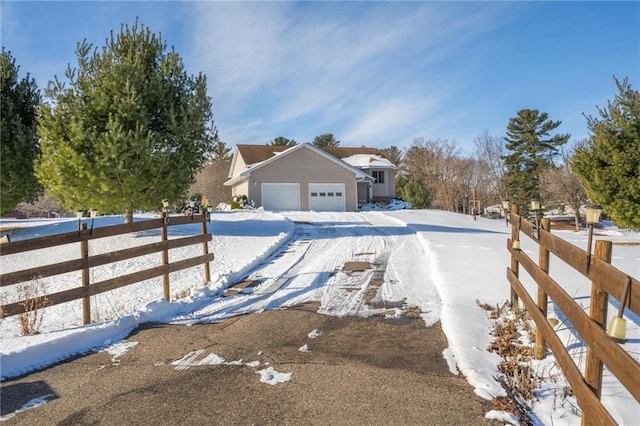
[327,197]
[280,196]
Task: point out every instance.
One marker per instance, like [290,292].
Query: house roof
[253,154]
[272,153]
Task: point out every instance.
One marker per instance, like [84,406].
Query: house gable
[246,156]
[254,154]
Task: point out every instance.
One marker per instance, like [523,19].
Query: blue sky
[371,73]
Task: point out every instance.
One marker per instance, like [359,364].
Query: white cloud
[237,44]
[382,121]
[353,69]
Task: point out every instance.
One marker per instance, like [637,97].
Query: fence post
[598,313]
[205,250]
[514,263]
[84,254]
[543,261]
[165,258]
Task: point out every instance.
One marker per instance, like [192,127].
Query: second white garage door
[327,197]
[280,196]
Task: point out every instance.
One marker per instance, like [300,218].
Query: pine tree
[530,151]
[281,141]
[18,140]
[413,191]
[326,139]
[393,154]
[220,150]
[608,163]
[132,128]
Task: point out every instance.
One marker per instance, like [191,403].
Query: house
[307,177]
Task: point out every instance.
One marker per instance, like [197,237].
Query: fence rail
[605,280]
[85,262]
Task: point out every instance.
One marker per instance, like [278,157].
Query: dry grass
[563,226]
[517,375]
[33,301]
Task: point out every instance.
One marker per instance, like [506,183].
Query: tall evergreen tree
[608,164]
[18,141]
[131,129]
[530,151]
[326,139]
[220,150]
[393,154]
[281,141]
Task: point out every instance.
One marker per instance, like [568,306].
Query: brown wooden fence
[85,262]
[606,281]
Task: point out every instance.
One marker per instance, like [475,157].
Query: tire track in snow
[307,269]
[409,273]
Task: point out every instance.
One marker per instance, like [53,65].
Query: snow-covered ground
[440,262]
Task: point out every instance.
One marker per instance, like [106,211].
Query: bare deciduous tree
[45,206]
[210,180]
[438,165]
[489,151]
[562,186]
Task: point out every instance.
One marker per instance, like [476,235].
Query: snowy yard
[439,262]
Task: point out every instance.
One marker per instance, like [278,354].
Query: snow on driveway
[314,266]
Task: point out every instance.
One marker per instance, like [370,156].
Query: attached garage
[327,197]
[280,196]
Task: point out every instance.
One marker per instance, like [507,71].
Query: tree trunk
[576,218]
[128,216]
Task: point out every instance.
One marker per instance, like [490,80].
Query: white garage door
[327,197]
[280,196]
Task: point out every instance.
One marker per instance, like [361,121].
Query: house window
[378,175]
[329,194]
[323,194]
[314,194]
[338,194]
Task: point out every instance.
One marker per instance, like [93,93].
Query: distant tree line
[326,139]
[533,162]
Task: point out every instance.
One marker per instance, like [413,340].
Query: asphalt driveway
[356,371]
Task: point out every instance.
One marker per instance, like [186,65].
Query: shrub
[241,202]
[34,299]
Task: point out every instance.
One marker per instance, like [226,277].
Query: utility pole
[473,196]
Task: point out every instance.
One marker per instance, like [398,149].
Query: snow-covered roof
[369,161]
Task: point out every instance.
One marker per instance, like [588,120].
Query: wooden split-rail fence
[85,262]
[606,280]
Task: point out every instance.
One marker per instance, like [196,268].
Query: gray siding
[386,189]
